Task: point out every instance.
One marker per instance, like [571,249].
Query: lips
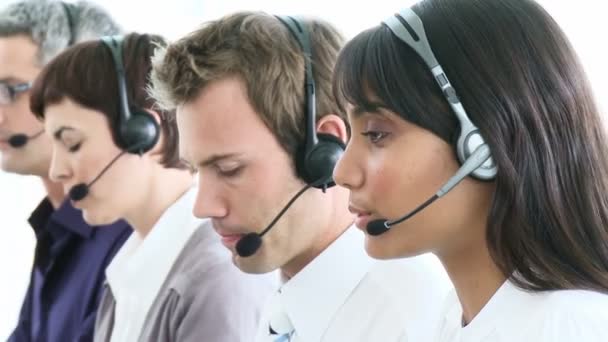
[362,221]
[4,142]
[229,238]
[4,137]
[363,217]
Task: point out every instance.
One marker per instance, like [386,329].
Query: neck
[54,192]
[474,275]
[165,188]
[338,219]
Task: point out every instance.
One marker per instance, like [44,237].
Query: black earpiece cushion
[320,161]
[140,133]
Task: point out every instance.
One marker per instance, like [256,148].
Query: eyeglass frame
[12,91]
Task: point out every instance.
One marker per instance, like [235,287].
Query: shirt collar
[140,267]
[41,215]
[66,217]
[315,294]
[509,307]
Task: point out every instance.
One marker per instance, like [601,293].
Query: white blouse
[516,315]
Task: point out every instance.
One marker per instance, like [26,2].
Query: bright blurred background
[582,20]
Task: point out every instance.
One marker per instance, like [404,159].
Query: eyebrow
[11,79]
[216,158]
[59,132]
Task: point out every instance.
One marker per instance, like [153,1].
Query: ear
[155,152]
[334,125]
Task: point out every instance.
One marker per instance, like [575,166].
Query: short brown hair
[84,74]
[261,51]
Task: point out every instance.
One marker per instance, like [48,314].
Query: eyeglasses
[8,92]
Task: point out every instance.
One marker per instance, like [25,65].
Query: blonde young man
[242,89]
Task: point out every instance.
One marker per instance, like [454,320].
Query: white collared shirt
[344,295]
[140,267]
[513,314]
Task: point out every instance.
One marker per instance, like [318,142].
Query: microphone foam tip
[78,192]
[377,227]
[248,245]
[18,140]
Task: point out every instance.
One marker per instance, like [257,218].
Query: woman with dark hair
[475,119]
[116,154]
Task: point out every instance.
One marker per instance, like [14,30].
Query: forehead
[69,113]
[18,58]
[221,120]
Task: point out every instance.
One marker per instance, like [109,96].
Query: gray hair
[52,25]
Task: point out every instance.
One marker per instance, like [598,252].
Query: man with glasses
[70,257]
[9,92]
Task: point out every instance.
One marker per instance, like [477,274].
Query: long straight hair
[523,86]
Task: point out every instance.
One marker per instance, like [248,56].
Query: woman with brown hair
[116,153]
[475,120]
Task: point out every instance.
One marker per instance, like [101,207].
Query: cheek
[418,174]
[382,174]
[395,178]
[402,180]
[252,198]
[88,166]
[117,184]
[23,117]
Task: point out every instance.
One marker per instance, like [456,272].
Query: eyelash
[230,173]
[375,136]
[75,148]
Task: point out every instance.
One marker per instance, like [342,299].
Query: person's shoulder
[202,253]
[573,315]
[577,301]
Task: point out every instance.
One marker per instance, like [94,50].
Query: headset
[69,8]
[138,130]
[407,26]
[318,156]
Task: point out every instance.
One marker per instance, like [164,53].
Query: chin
[375,251]
[13,165]
[385,247]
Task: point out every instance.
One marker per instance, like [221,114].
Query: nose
[59,171]
[209,200]
[348,173]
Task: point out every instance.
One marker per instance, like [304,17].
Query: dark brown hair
[260,50]
[85,73]
[523,86]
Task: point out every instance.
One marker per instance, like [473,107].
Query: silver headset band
[407,26]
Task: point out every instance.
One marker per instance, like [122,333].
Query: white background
[582,20]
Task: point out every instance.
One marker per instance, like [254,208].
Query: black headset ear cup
[320,162]
[140,133]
